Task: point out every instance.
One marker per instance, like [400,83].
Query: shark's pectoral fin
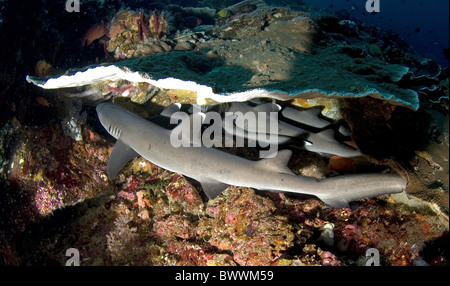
[212,188]
[277,163]
[120,155]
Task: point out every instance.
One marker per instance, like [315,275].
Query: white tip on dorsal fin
[267,107]
[277,163]
[171,109]
[308,117]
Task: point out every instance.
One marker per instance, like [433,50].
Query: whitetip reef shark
[217,170]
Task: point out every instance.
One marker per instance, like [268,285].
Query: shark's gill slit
[115,131]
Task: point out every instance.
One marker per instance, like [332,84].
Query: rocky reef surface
[53,152]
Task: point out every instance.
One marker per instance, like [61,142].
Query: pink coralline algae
[398,235]
[174,226]
[52,171]
[244,224]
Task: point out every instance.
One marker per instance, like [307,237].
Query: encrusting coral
[134,34]
[55,190]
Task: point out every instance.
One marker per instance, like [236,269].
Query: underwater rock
[73,121]
[244,223]
[133,34]
[397,233]
[51,171]
[301,31]
[183,46]
[173,227]
[245,6]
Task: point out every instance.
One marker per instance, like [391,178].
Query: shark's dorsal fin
[327,134]
[308,117]
[171,109]
[212,188]
[277,163]
[267,107]
[120,155]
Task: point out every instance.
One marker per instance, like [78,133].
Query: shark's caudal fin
[120,155]
[339,191]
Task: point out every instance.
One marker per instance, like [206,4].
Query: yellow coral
[224,13]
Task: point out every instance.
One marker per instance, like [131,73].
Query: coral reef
[134,34]
[244,224]
[48,171]
[55,193]
[72,123]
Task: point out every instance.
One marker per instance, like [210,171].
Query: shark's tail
[339,191]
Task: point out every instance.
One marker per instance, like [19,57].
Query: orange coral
[116,29]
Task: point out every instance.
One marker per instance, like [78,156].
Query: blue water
[423,24]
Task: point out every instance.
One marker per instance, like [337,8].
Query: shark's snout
[100,107]
[103,115]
